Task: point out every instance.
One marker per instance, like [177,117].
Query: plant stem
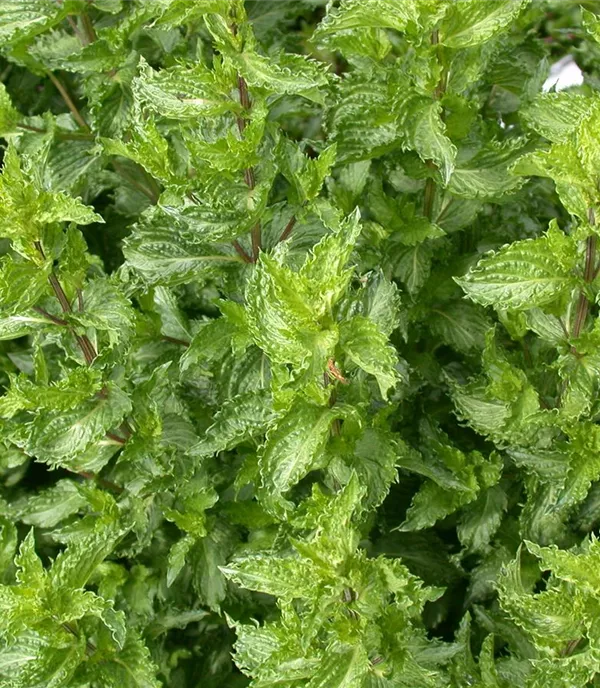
[62,135]
[249,176]
[174,340]
[570,647]
[28,127]
[429,196]
[101,481]
[89,646]
[241,252]
[115,438]
[88,28]
[288,229]
[583,304]
[430,185]
[53,318]
[5,72]
[86,346]
[59,292]
[77,31]
[126,429]
[68,101]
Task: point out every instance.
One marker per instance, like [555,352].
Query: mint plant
[299,344]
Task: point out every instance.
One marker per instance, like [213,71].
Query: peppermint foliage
[299,344]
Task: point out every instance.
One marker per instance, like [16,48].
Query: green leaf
[377,299]
[194,500]
[64,395]
[324,274]
[401,219]
[21,284]
[21,19]
[367,347]
[177,557]
[412,265]
[61,437]
[360,119]
[528,273]
[132,667]
[591,23]
[177,12]
[388,14]
[173,321]
[462,326]
[40,664]
[25,207]
[471,22]
[49,507]
[8,545]
[279,316]
[9,115]
[168,254]
[211,343]
[15,326]
[74,566]
[147,147]
[182,92]
[373,458]
[482,519]
[106,309]
[293,448]
[342,667]
[306,175]
[487,175]
[284,73]
[469,473]
[241,418]
[556,116]
[427,135]
[288,578]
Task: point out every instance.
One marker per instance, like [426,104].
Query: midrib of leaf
[455,322]
[303,450]
[185,259]
[125,666]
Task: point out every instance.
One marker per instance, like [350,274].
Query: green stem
[90,647]
[88,28]
[430,185]
[28,127]
[174,340]
[5,72]
[77,31]
[583,304]
[429,196]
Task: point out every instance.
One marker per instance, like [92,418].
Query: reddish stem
[288,229]
[249,176]
[241,252]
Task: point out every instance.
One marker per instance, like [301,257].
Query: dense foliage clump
[300,347]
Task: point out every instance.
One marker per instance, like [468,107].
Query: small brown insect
[335,372]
